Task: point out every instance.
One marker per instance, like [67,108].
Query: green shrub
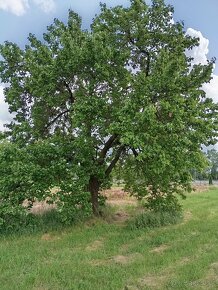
[73,207]
[11,216]
[163,203]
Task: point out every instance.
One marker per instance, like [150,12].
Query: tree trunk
[94,186]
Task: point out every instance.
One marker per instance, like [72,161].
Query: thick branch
[115,160]
[134,152]
[131,40]
[107,146]
[148,61]
[56,118]
[72,99]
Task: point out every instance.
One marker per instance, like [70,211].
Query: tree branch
[134,152]
[114,161]
[72,99]
[57,117]
[107,146]
[148,61]
[131,40]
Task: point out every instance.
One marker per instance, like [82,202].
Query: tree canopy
[122,91]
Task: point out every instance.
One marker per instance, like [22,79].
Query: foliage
[29,174]
[83,100]
[12,217]
[163,203]
[73,207]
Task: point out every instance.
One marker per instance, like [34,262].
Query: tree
[124,90]
[212,156]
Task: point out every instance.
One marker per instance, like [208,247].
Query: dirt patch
[160,249]
[195,233]
[120,259]
[118,197]
[203,187]
[98,262]
[40,288]
[214,265]
[115,197]
[115,193]
[158,280]
[122,202]
[48,237]
[187,217]
[200,188]
[183,261]
[124,247]
[94,246]
[41,207]
[153,281]
[212,214]
[212,274]
[121,217]
[210,281]
[127,287]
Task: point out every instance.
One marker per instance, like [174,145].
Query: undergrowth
[154,219]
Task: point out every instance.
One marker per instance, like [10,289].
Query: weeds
[152,219]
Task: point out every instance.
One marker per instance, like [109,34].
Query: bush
[15,218]
[163,203]
[73,204]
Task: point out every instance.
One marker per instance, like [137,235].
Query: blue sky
[201,15]
[20,17]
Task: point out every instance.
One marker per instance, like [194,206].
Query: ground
[107,255]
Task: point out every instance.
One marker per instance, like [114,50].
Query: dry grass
[159,249]
[94,246]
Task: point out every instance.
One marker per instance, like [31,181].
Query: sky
[20,17]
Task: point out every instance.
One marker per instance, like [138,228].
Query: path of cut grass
[106,256]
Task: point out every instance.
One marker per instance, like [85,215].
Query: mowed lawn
[102,255]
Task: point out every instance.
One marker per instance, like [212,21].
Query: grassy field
[107,255]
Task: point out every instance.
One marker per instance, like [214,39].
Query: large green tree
[123,90]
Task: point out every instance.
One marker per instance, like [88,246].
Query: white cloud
[211,88]
[199,53]
[200,56]
[46,5]
[17,7]
[5,116]
[20,7]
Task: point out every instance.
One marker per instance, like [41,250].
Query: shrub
[73,207]
[12,217]
[163,203]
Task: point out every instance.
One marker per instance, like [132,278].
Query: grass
[102,255]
